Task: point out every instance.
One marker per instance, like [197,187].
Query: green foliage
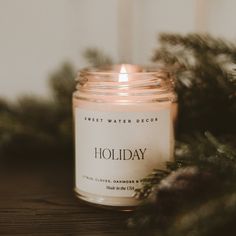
[96,57]
[205,73]
[62,85]
[38,126]
[43,127]
[196,194]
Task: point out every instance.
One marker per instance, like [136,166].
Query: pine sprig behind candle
[39,126]
[205,80]
[96,57]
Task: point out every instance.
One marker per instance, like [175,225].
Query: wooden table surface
[36,198]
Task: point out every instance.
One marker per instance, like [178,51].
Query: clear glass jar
[124,128]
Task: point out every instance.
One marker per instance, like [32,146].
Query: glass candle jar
[124,128]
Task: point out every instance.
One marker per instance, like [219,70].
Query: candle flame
[123,76]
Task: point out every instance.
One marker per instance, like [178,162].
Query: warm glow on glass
[123,76]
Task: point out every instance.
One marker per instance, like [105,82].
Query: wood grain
[36,198]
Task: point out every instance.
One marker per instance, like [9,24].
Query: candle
[123,119]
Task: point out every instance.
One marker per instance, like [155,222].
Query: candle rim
[107,70]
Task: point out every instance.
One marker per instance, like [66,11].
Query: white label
[116,150]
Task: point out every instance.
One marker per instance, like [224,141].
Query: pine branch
[205,80]
[97,58]
[203,165]
[62,85]
[39,126]
[200,43]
